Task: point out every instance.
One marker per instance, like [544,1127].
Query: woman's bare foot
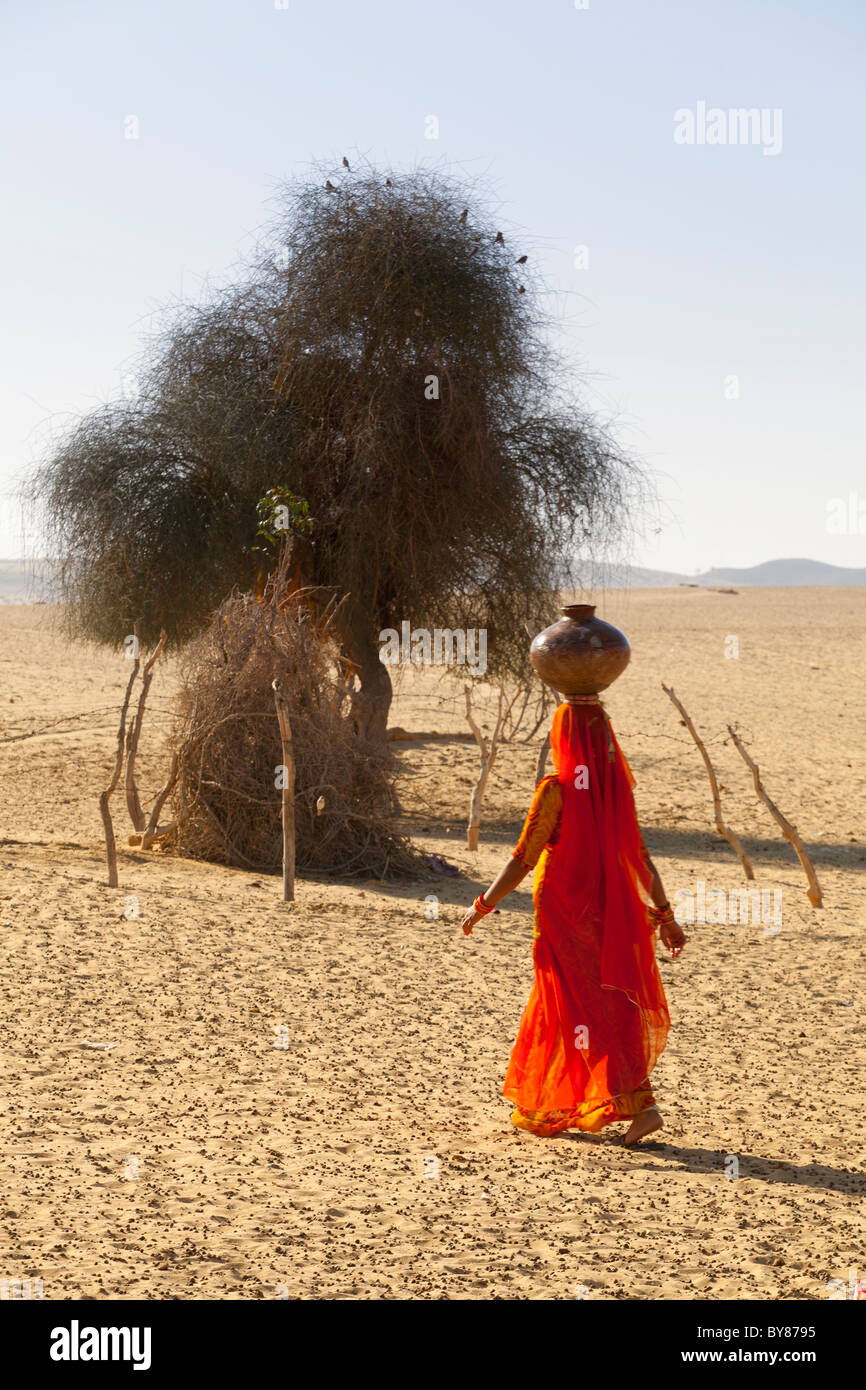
[647,1122]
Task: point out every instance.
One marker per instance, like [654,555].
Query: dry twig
[488,748]
[813,892]
[288,801]
[105,797]
[724,831]
[542,759]
[133,804]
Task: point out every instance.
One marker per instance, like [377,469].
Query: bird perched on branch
[520,289]
[388,183]
[521,260]
[463,216]
[499,239]
[345,162]
[330,187]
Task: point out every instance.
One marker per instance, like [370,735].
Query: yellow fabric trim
[541,824]
[590,1117]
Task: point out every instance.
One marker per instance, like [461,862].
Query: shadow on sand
[712,1161]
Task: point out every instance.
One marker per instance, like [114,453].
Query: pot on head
[580,654]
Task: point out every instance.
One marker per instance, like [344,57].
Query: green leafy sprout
[280,513]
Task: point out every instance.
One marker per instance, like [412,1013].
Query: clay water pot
[580,654]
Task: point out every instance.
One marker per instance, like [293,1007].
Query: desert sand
[305,1102]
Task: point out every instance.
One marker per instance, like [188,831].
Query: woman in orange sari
[597,1019]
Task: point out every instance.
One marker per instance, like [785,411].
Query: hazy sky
[719,316]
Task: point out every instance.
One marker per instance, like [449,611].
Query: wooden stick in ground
[288,807]
[813,892]
[723,830]
[153,830]
[133,805]
[488,750]
[542,759]
[104,811]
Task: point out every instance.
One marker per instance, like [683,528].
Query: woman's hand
[662,917]
[515,872]
[673,937]
[472,916]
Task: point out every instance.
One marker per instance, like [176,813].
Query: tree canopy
[385,358]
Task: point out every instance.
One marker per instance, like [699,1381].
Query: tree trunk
[288,799]
[371,703]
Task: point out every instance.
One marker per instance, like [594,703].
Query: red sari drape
[597,1019]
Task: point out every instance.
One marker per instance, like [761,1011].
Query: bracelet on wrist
[662,915]
[481,906]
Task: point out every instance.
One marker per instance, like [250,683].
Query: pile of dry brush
[227,745]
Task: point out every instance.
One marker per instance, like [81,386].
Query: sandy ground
[306,1102]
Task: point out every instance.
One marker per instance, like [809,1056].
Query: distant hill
[601,576]
[781,574]
[24,581]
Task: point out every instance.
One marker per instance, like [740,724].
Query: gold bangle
[661,911]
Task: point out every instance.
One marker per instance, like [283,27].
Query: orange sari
[597,1019]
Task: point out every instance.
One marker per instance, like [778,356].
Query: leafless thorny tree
[385,357]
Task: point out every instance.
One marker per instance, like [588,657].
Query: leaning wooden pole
[542,759]
[724,831]
[153,830]
[288,807]
[104,811]
[487,749]
[813,892]
[133,804]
